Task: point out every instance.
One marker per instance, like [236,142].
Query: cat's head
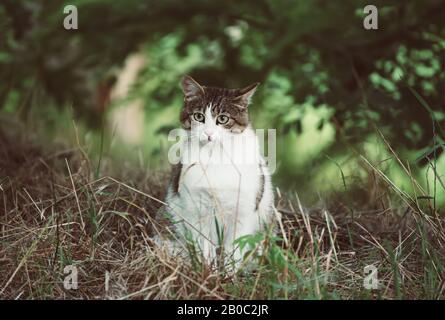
[210,113]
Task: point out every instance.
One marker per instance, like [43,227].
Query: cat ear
[191,88]
[245,94]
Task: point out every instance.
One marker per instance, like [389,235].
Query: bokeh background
[353,108]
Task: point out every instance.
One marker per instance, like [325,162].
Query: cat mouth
[207,140]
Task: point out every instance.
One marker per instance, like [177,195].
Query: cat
[221,190]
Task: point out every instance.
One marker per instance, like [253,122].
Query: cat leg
[234,256]
[172,247]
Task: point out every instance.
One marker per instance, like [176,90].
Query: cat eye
[198,116]
[222,119]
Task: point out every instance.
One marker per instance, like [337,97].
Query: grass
[57,209]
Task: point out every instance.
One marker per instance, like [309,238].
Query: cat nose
[209,133]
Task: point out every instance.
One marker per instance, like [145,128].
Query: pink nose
[209,134]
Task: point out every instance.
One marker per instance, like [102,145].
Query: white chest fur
[228,171]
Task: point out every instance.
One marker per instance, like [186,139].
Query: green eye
[222,119]
[198,116]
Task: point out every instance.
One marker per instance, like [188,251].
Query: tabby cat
[221,189]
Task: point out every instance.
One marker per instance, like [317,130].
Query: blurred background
[353,108]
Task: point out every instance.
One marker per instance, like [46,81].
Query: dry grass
[53,213]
